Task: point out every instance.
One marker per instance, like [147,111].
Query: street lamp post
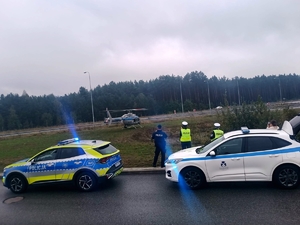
[280,94]
[181,99]
[91,98]
[208,92]
[279,85]
[237,81]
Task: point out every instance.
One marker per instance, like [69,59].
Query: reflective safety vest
[185,135]
[218,133]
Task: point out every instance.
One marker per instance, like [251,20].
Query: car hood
[17,163]
[186,153]
[23,160]
[292,127]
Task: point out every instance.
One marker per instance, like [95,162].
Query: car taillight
[103,160]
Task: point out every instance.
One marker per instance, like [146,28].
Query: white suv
[243,155]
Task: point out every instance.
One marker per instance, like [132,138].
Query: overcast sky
[46,45]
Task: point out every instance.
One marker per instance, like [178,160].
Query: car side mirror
[212,153]
[33,161]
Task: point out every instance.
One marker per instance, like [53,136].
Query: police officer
[159,138]
[217,132]
[185,136]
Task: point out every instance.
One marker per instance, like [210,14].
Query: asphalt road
[149,199]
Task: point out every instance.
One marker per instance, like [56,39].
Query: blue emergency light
[68,141]
[245,130]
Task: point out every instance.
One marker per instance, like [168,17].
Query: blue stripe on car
[245,154]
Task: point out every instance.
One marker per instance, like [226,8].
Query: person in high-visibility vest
[217,132]
[185,136]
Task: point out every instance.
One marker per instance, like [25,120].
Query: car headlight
[173,161]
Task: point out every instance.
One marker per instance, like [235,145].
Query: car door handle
[235,158]
[271,156]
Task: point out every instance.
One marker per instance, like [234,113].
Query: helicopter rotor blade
[140,109]
[126,110]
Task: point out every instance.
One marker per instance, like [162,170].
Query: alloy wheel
[193,178]
[85,182]
[288,177]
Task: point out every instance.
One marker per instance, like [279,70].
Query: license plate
[117,164]
[118,172]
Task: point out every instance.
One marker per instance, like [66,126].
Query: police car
[243,155]
[84,162]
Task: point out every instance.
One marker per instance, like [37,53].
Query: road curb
[143,170]
[138,170]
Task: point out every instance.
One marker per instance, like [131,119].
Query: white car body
[243,155]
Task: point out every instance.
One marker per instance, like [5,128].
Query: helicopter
[129,119]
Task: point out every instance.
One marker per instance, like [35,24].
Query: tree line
[194,91]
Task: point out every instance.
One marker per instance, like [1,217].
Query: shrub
[253,116]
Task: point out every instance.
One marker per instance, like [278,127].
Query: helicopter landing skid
[133,126]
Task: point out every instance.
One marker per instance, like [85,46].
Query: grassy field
[135,145]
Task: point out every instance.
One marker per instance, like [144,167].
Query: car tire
[287,177]
[192,178]
[86,182]
[17,183]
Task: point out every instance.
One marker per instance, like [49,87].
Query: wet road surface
[151,199]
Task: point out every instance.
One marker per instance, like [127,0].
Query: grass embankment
[135,145]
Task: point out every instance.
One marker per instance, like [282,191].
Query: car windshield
[207,147]
[106,149]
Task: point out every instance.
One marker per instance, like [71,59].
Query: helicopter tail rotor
[109,117]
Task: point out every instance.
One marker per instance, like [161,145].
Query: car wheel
[17,183]
[287,177]
[86,182]
[192,178]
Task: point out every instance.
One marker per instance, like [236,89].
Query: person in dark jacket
[159,137]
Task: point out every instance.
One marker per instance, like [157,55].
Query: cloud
[45,46]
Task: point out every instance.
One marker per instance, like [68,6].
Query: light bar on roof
[68,141]
[245,130]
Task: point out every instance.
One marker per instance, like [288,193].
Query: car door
[42,167]
[263,154]
[227,164]
[68,162]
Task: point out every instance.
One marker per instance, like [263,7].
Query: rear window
[279,143]
[265,143]
[70,152]
[106,149]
